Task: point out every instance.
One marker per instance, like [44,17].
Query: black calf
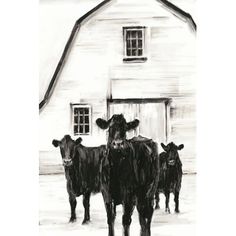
[170,175]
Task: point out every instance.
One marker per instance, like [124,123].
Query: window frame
[135,58]
[73,106]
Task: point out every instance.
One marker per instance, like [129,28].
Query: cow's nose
[67,162]
[117,144]
[114,144]
[171,162]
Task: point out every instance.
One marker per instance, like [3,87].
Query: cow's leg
[167,195]
[128,208]
[176,199]
[157,198]
[73,202]
[149,214]
[145,211]
[86,200]
[110,209]
[114,210]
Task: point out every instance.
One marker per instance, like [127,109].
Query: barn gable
[166,4]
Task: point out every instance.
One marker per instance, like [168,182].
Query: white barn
[135,57]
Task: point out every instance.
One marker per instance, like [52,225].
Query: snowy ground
[54,212]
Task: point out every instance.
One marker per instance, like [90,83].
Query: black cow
[170,175]
[129,174]
[82,170]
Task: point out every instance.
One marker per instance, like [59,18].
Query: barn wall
[95,69]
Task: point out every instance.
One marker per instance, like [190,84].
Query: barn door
[152,117]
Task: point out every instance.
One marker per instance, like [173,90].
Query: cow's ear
[132,124]
[103,124]
[165,148]
[78,140]
[55,143]
[181,146]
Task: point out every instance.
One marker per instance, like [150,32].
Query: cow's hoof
[168,210]
[85,222]
[72,220]
[177,211]
[157,207]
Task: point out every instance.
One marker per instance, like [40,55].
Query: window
[134,43]
[81,119]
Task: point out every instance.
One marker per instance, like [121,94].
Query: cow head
[117,128]
[171,150]
[67,148]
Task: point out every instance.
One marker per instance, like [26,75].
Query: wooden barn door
[152,117]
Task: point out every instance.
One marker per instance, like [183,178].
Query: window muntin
[81,119]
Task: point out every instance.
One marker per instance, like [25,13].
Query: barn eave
[66,50]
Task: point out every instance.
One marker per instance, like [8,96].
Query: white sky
[56,19]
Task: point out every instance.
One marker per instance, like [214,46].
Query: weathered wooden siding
[95,69]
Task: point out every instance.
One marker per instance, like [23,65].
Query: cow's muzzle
[171,162]
[67,162]
[117,144]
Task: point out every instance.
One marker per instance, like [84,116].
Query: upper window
[81,119]
[134,43]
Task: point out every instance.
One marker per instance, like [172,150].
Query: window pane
[86,111]
[134,34]
[76,110]
[81,129]
[76,119]
[128,35]
[128,44]
[75,129]
[86,128]
[86,119]
[128,52]
[140,52]
[140,43]
[80,111]
[140,34]
[134,52]
[81,119]
[134,45]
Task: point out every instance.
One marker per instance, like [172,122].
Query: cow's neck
[69,171]
[118,161]
[172,171]
[116,157]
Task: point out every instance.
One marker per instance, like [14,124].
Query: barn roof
[168,5]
